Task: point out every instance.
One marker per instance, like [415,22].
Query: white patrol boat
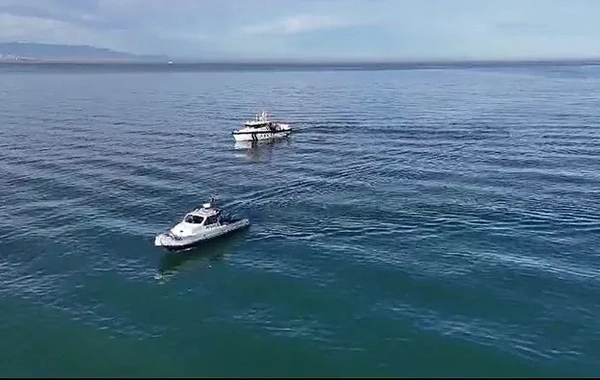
[261,128]
[201,224]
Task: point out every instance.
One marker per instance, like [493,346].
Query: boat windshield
[213,219]
[194,219]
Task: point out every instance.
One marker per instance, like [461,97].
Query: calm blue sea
[420,222]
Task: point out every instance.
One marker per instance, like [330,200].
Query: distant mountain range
[36,52]
[33,52]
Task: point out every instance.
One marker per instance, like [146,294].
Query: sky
[314,29]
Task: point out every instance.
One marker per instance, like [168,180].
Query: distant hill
[31,51]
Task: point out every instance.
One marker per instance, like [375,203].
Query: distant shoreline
[274,65]
[56,55]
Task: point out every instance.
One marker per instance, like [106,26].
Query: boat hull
[260,135]
[173,243]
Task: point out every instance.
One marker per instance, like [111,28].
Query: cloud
[47,30]
[408,29]
[301,23]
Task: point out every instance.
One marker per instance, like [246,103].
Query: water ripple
[412,210]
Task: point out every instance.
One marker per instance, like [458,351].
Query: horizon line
[139,58]
[173,60]
[297,62]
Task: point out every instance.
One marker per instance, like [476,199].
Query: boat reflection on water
[203,256]
[261,150]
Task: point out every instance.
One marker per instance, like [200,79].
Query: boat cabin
[205,216]
[260,121]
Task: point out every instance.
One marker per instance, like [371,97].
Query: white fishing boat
[261,128]
[201,224]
